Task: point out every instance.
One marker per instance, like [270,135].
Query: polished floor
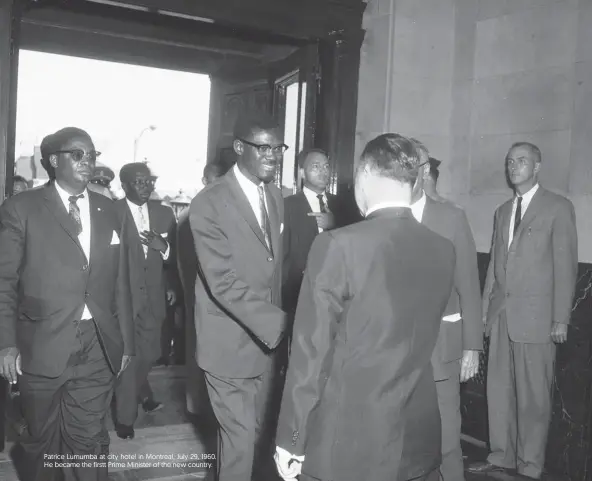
[189,442]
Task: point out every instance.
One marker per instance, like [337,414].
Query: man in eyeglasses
[237,224]
[65,316]
[151,270]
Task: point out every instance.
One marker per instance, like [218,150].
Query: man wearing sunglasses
[152,269]
[65,316]
[237,224]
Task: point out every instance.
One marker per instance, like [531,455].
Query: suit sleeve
[490,278]
[255,313]
[12,240]
[322,299]
[123,295]
[565,262]
[467,284]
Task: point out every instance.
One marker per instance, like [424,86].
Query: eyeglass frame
[260,146]
[95,153]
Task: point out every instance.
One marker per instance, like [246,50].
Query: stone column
[9,28]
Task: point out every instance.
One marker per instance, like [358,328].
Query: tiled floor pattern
[171,432]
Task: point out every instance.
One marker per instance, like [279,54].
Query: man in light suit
[65,317]
[236,224]
[152,268]
[456,357]
[360,399]
[527,307]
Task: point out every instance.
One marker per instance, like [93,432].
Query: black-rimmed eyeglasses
[78,154]
[266,149]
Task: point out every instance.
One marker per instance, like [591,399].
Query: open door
[287,89]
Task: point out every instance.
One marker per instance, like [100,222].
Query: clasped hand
[10,364]
[154,240]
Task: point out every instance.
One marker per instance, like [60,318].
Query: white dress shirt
[252,193]
[418,209]
[526,199]
[141,218]
[84,236]
[313,201]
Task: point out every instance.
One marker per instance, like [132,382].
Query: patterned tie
[265,227]
[322,205]
[518,216]
[144,226]
[74,211]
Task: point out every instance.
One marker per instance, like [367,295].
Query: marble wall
[469,78]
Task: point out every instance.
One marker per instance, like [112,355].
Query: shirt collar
[65,196]
[385,205]
[133,206]
[527,197]
[311,193]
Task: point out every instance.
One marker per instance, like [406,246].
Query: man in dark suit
[65,317]
[360,400]
[196,393]
[456,356]
[236,224]
[306,213]
[527,306]
[152,241]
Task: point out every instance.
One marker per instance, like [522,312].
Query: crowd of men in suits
[329,346]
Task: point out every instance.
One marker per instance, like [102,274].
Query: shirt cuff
[165,255]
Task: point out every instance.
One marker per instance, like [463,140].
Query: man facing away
[456,356]
[196,393]
[307,213]
[65,318]
[360,399]
[154,230]
[236,224]
[527,305]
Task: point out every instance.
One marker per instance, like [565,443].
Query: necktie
[74,211]
[143,226]
[518,216]
[322,205]
[264,218]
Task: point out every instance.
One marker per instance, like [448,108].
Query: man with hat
[152,269]
[101,181]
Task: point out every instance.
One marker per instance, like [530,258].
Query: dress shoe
[125,432]
[150,406]
[484,468]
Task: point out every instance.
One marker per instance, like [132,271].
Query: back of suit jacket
[300,230]
[534,278]
[450,222]
[150,274]
[46,279]
[360,399]
[238,318]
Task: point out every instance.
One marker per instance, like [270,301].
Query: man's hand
[559,332]
[10,364]
[288,465]
[154,240]
[325,220]
[125,362]
[171,297]
[469,365]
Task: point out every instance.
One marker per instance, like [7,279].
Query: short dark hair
[128,171]
[533,148]
[62,136]
[19,178]
[215,169]
[303,156]
[434,170]
[393,156]
[46,147]
[247,124]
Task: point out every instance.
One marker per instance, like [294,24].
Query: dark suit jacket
[45,280]
[150,274]
[300,231]
[449,221]
[534,280]
[360,398]
[237,294]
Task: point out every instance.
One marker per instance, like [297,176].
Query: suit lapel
[533,209]
[274,219]
[55,205]
[506,215]
[242,204]
[101,230]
